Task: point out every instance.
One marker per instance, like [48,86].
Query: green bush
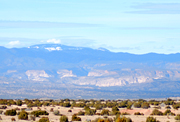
[105,112]
[169,102]
[156,103]
[114,113]
[3,102]
[23,115]
[81,105]
[128,120]
[123,119]
[177,117]
[145,105]
[138,113]
[98,106]
[39,112]
[3,107]
[168,107]
[103,120]
[137,105]
[80,113]
[44,119]
[1,112]
[90,112]
[115,108]
[111,104]
[19,102]
[156,112]
[176,106]
[168,112]
[129,107]
[37,103]
[142,100]
[66,104]
[125,113]
[86,108]
[10,112]
[123,104]
[63,118]
[46,104]
[157,107]
[151,119]
[75,118]
[32,118]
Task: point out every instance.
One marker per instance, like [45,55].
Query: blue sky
[133,26]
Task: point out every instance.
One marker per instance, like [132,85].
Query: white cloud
[56,41]
[13,43]
[157,8]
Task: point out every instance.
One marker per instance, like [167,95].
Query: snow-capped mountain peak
[54,47]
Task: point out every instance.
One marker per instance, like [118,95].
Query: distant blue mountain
[52,55]
[57,66]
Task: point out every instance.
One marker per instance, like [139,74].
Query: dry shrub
[13,119]
[69,110]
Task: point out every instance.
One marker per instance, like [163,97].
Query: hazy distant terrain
[56,71]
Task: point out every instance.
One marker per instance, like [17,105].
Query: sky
[133,26]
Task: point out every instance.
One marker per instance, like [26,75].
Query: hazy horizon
[88,47]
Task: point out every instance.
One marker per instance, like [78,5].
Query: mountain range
[59,71]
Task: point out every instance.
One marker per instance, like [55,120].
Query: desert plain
[70,111]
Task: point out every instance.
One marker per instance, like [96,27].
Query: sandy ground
[64,111]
